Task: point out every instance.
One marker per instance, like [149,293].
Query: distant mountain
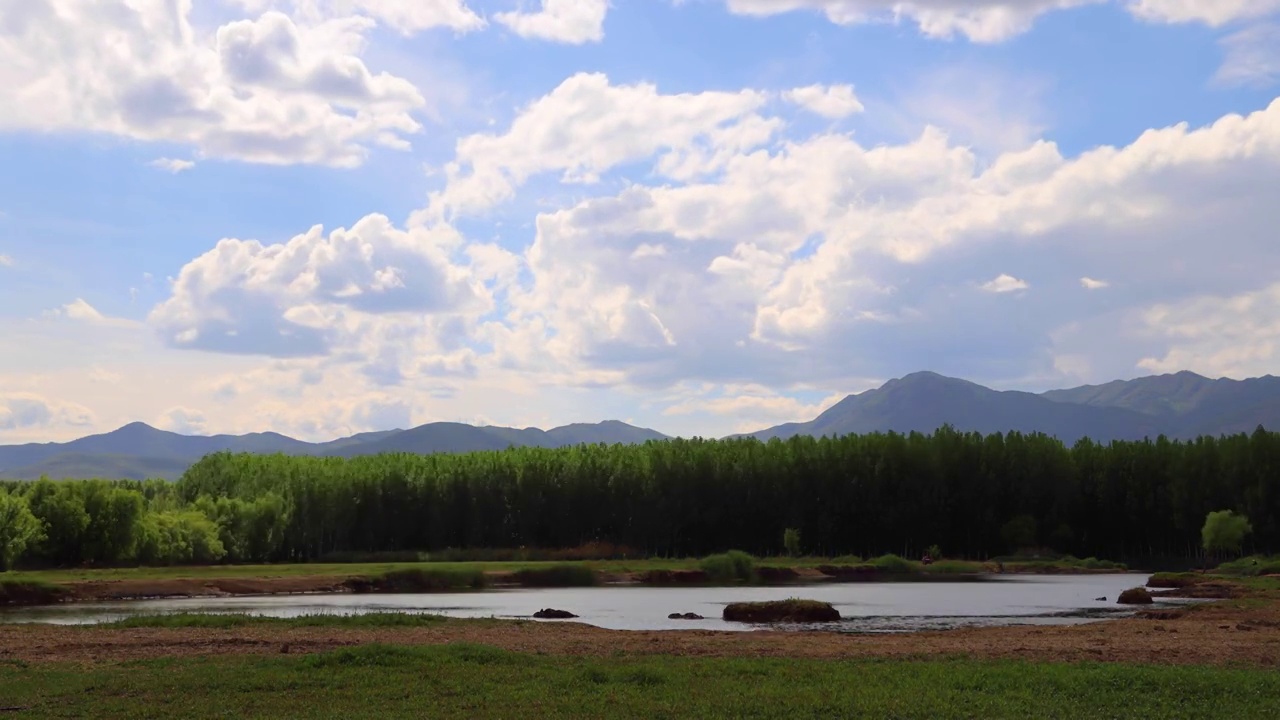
[925,401]
[1182,405]
[1187,404]
[138,451]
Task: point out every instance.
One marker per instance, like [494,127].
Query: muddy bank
[1219,635]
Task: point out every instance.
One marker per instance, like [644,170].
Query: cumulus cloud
[316,293]
[1004,283]
[827,250]
[6,261]
[261,90]
[587,125]
[829,101]
[20,411]
[81,311]
[173,165]
[1091,284]
[406,17]
[572,22]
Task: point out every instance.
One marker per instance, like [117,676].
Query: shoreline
[134,589]
[1224,633]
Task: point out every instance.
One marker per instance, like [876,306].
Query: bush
[954,567]
[1251,566]
[29,592]
[893,564]
[791,541]
[734,565]
[556,576]
[672,577]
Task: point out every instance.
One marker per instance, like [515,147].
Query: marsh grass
[469,681]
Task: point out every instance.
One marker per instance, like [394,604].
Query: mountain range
[1181,405]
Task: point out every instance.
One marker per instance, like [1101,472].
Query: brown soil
[1217,635]
[219,587]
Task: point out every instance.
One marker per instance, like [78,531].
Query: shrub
[29,592]
[730,566]
[893,564]
[672,577]
[954,567]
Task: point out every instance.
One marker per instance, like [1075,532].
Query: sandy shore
[1233,633]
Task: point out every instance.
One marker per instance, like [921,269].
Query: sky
[323,217]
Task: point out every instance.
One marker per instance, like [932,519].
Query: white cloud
[1005,283]
[1234,335]
[586,126]
[829,101]
[81,311]
[173,165]
[565,21]
[183,421]
[21,411]
[261,90]
[6,261]
[316,293]
[1091,284]
[1252,56]
[1211,12]
[407,17]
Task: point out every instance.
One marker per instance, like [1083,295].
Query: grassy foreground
[468,681]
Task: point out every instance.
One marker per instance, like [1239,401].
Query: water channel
[866,606]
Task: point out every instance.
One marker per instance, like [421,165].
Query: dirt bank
[1219,635]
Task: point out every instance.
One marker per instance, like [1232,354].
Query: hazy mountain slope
[100,465]
[925,401]
[1188,404]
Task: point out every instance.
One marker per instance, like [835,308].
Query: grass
[1253,566]
[472,681]
[222,621]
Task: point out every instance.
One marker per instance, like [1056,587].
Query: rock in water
[553,614]
[1135,596]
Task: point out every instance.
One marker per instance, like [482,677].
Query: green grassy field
[471,681]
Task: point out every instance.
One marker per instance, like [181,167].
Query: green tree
[791,541]
[1224,531]
[19,529]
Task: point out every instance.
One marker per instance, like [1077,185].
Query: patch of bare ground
[1227,634]
[183,587]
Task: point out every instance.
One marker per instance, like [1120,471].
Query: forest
[974,496]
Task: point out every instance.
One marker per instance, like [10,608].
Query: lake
[866,606]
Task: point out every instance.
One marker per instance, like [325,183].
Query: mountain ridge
[1179,405]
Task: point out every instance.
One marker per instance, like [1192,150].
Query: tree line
[973,495]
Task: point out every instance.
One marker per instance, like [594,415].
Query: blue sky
[705,216]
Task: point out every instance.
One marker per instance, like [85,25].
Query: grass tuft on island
[778,611]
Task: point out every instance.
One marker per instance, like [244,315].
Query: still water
[866,607]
